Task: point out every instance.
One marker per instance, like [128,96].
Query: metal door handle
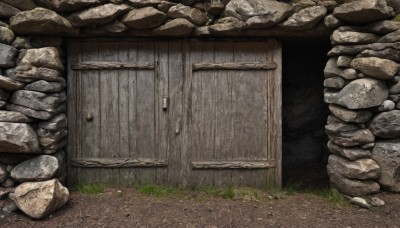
[89,116]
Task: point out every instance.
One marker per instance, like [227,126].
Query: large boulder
[99,15]
[352,187]
[7,56]
[304,19]
[387,155]
[18,138]
[176,27]
[386,124]
[66,5]
[40,199]
[258,13]
[41,21]
[363,93]
[43,57]
[144,18]
[37,100]
[376,67]
[43,167]
[351,153]
[194,15]
[361,169]
[362,11]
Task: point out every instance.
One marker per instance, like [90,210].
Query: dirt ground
[129,208]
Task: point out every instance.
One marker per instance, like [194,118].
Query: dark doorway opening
[304,114]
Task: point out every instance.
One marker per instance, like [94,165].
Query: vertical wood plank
[89,103]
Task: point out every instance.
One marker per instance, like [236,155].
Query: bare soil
[129,208]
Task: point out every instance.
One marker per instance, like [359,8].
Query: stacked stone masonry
[362,76]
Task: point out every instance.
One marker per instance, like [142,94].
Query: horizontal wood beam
[116,163]
[112,66]
[233,164]
[235,66]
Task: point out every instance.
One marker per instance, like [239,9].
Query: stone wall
[363,94]
[362,88]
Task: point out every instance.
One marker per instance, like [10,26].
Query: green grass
[226,192]
[158,191]
[333,196]
[397,18]
[91,189]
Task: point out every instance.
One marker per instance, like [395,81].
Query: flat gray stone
[40,168]
[193,15]
[41,21]
[362,11]
[99,15]
[363,93]
[381,27]
[344,61]
[55,147]
[335,83]
[46,87]
[360,202]
[387,105]
[388,53]
[4,95]
[267,13]
[67,5]
[387,155]
[376,202]
[226,26]
[144,18]
[18,138]
[22,42]
[330,95]
[352,187]
[56,123]
[332,22]
[356,49]
[352,116]
[8,56]
[334,128]
[349,37]
[42,115]
[37,100]
[50,139]
[376,67]
[176,27]
[352,138]
[7,11]
[361,169]
[144,3]
[394,84]
[305,19]
[164,6]
[386,124]
[43,57]
[390,38]
[27,73]
[351,153]
[9,84]
[7,36]
[13,117]
[21,4]
[331,70]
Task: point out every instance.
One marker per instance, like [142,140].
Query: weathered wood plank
[234,66]
[259,164]
[117,163]
[92,65]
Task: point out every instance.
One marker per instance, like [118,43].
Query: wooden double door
[182,113]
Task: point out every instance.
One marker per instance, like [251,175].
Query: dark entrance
[304,114]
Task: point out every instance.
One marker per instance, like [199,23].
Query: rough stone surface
[331,70]
[43,167]
[352,138]
[144,18]
[356,49]
[36,100]
[7,55]
[334,83]
[66,5]
[48,139]
[349,37]
[387,105]
[46,87]
[7,36]
[21,4]
[387,53]
[352,187]
[332,22]
[144,3]
[360,202]
[352,116]
[330,95]
[195,16]
[387,155]
[376,202]
[258,13]
[227,25]
[7,11]
[18,138]
[56,123]
[42,115]
[4,95]
[13,117]
[3,173]
[26,73]
[362,11]
[344,61]
[376,67]
[351,153]
[43,57]
[363,93]
[55,147]
[40,199]
[9,84]
[176,27]
[333,128]
[390,38]
[41,21]
[386,124]
[99,15]
[304,19]
[361,169]
[381,27]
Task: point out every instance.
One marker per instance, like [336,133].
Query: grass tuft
[158,191]
[225,192]
[91,189]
